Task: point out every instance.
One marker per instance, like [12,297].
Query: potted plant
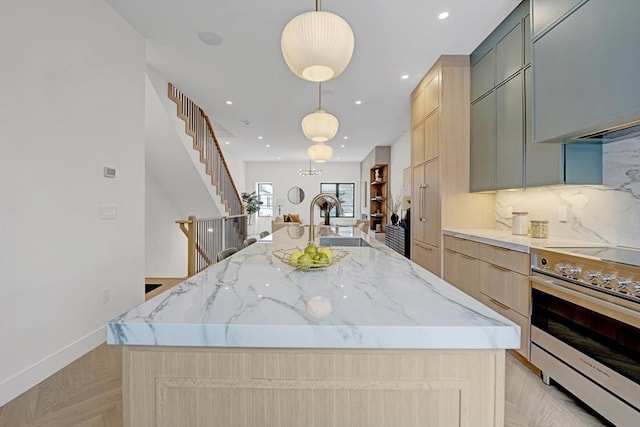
[251,205]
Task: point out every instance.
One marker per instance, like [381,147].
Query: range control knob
[560,268]
[622,283]
[590,275]
[574,270]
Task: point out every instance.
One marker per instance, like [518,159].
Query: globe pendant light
[320,152]
[317,46]
[320,126]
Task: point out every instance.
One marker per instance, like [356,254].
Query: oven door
[588,345]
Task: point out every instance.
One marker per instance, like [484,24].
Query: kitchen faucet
[311,211]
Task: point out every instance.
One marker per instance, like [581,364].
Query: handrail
[198,126]
[208,236]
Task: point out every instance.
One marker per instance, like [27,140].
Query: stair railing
[198,126]
[208,236]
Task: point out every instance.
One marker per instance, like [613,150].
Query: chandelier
[320,126]
[310,172]
[317,46]
[320,152]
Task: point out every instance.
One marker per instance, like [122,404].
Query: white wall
[400,160]
[166,244]
[72,102]
[284,175]
[608,213]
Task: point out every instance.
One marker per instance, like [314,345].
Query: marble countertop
[372,298]
[504,239]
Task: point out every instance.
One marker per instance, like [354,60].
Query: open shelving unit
[378,177]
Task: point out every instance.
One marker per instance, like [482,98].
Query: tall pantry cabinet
[440,109]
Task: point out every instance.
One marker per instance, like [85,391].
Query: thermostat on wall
[109,172]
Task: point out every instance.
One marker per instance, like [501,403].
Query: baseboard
[41,370]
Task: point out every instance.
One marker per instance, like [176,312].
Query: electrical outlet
[509,211]
[563,214]
[106,295]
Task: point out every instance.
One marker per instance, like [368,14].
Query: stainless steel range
[585,326]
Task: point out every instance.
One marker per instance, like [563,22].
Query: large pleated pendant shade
[320,152]
[317,46]
[320,126]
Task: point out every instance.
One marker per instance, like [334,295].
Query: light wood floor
[88,393]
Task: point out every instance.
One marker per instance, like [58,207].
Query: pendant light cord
[317,5]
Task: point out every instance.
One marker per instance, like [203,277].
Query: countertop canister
[520,223]
[539,229]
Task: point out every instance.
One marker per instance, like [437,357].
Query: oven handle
[605,308]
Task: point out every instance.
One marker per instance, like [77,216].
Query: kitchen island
[372,340]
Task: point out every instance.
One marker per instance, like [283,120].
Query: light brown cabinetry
[495,276]
[440,195]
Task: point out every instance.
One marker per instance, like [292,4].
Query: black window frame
[334,212]
[265,203]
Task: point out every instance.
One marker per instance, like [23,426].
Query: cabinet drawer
[426,256]
[505,286]
[505,258]
[516,318]
[462,246]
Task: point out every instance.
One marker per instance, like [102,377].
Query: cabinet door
[452,267]
[543,162]
[417,108]
[483,75]
[426,256]
[483,116]
[417,145]
[417,201]
[509,54]
[432,95]
[546,12]
[431,136]
[527,40]
[468,275]
[509,134]
[586,70]
[432,207]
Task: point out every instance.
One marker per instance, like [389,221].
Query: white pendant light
[317,46]
[320,152]
[320,126]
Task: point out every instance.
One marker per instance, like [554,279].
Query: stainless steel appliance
[585,326]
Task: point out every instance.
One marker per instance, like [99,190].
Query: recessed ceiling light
[267,145]
[342,146]
[404,76]
[443,15]
[259,137]
[358,102]
[279,158]
[346,137]
[229,102]
[210,39]
[227,142]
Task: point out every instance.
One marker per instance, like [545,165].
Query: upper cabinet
[586,61]
[503,154]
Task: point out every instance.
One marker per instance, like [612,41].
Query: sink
[342,241]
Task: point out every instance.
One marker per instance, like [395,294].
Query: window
[265,199]
[346,193]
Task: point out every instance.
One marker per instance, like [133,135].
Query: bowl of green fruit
[311,257]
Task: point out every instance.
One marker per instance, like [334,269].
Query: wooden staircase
[198,126]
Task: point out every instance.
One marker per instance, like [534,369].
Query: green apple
[304,260]
[326,251]
[311,249]
[295,255]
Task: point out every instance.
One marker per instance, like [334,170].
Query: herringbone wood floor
[88,393]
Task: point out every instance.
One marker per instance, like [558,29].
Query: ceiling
[392,38]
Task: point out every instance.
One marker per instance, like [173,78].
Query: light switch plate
[108,212]
[563,214]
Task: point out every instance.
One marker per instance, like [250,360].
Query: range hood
[610,134]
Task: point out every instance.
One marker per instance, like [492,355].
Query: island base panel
[178,386]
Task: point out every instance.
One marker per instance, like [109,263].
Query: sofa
[285,221]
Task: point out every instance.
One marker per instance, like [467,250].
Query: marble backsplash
[608,213]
